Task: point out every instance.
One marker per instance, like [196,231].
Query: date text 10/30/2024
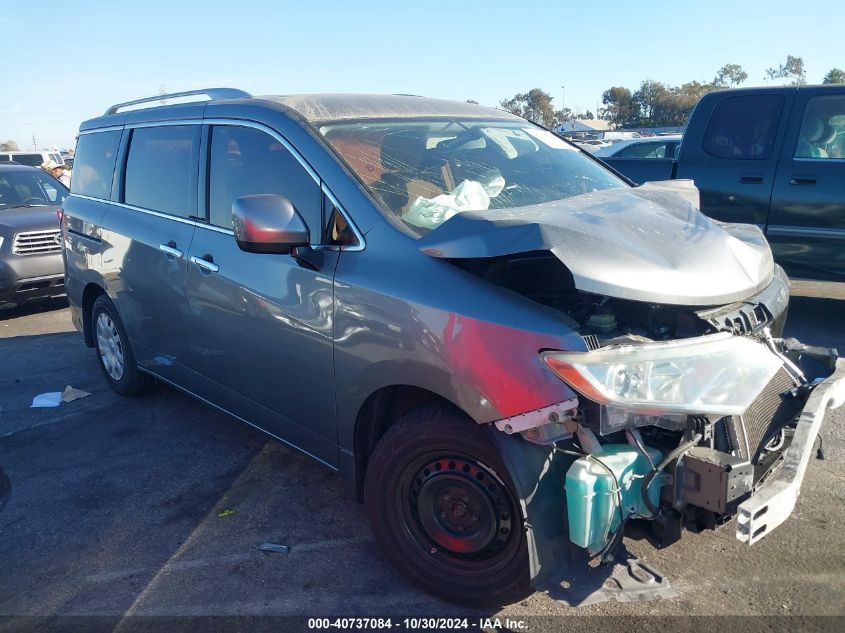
[412,624]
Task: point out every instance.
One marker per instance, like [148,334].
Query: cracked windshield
[425,172]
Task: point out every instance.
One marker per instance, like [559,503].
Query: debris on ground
[274,547]
[226,513]
[70,394]
[55,398]
[51,399]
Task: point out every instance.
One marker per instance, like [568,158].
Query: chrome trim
[237,417]
[216,229]
[805,231]
[40,242]
[204,264]
[110,128]
[172,252]
[91,198]
[817,159]
[157,214]
[361,243]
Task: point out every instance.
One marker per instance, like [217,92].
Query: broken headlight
[718,374]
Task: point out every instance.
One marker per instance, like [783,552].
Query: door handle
[170,251]
[802,181]
[751,179]
[206,263]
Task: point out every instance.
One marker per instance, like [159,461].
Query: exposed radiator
[773,409]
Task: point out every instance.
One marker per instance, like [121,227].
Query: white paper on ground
[52,399]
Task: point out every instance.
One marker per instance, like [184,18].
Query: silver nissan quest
[511,354]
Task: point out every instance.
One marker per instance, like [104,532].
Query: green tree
[619,109]
[793,69]
[729,76]
[9,146]
[652,101]
[835,76]
[534,105]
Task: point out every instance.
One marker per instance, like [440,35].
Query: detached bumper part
[774,501]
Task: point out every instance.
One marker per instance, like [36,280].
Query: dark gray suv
[506,350]
[31,267]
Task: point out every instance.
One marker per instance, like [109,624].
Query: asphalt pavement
[157,506]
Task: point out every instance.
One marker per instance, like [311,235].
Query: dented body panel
[642,244]
[399,329]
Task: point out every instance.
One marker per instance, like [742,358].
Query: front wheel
[444,511]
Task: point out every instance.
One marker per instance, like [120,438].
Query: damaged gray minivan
[511,354]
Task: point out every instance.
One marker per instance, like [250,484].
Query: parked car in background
[774,157]
[633,157]
[591,145]
[500,345]
[31,266]
[32,159]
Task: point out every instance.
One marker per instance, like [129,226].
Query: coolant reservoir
[592,502]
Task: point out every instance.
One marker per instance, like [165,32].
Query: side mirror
[268,223]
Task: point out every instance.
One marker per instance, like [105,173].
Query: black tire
[129,381]
[443,509]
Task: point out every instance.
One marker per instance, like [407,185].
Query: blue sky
[68,61]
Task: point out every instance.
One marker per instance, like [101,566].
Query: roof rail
[211,93]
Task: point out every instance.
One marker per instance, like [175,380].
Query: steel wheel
[110,346]
[444,511]
[459,509]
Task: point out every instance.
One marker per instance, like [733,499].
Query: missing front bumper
[774,501]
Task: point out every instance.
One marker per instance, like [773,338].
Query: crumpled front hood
[644,244]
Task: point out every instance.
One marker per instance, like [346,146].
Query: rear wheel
[443,509]
[113,351]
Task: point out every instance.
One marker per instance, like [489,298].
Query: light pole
[563,98]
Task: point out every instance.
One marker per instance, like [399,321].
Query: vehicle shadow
[33,307]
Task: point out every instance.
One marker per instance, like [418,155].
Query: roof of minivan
[337,107]
[315,109]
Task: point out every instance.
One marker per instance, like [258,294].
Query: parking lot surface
[156,506]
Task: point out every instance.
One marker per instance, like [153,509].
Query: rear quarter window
[744,127]
[94,161]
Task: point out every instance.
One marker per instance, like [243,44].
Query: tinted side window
[54,189]
[33,160]
[744,127]
[823,128]
[245,161]
[644,150]
[161,169]
[94,164]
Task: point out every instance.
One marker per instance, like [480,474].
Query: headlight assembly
[717,374]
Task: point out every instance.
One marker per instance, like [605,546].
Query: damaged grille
[771,411]
[747,319]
